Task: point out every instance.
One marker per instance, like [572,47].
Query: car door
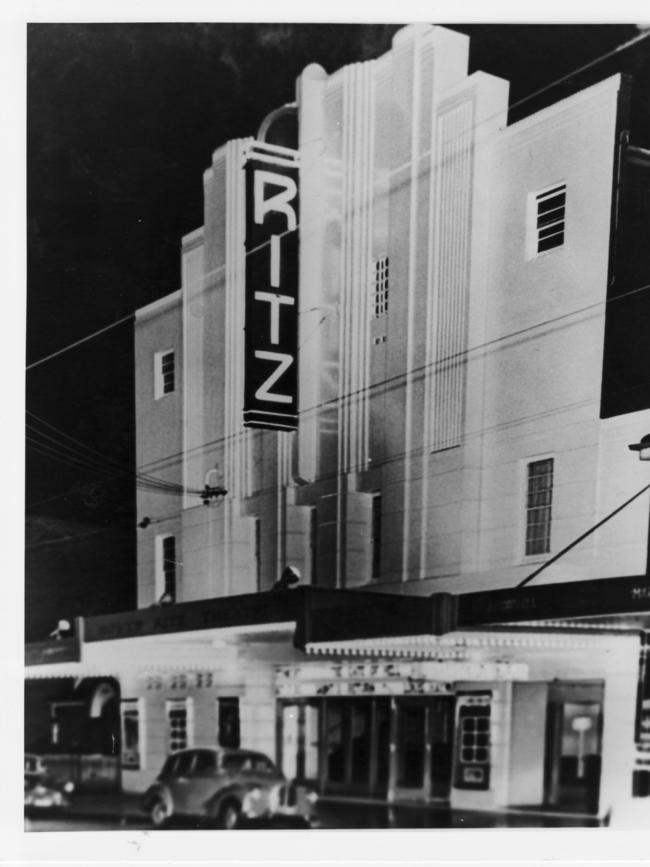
[179,781]
[203,782]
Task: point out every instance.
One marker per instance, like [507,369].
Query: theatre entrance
[379,747]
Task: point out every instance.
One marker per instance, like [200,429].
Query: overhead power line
[612,52]
[80,341]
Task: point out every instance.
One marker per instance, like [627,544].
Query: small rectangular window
[376,536]
[539,498]
[380,287]
[164,373]
[550,218]
[166,568]
[179,724]
[313,544]
[228,722]
[258,553]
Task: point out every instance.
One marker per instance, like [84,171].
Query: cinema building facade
[391,365]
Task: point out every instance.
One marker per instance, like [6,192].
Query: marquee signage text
[271,315]
[388,678]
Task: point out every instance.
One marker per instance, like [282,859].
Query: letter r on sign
[279,202]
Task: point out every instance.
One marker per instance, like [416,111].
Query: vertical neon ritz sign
[271,310]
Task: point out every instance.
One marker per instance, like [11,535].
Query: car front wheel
[229,816]
[159,813]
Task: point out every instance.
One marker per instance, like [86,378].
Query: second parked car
[223,786]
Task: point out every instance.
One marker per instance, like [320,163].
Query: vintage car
[42,791]
[223,787]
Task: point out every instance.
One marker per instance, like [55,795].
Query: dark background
[122,120]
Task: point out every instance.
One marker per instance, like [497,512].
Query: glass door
[442,746]
[411,729]
[424,747]
[573,754]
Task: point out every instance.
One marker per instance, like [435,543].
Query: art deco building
[457,332]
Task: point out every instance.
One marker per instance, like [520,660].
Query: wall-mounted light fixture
[642,447]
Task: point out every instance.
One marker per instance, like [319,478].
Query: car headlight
[68,788]
[250,798]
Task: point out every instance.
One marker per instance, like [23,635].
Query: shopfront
[395,729]
[510,718]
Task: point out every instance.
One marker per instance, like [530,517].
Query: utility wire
[175,488]
[80,341]
[583,536]
[517,104]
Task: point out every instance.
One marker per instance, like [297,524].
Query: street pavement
[113,810]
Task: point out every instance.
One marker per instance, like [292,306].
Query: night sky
[122,121]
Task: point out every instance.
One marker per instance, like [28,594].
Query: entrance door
[424,738]
[356,745]
[442,746]
[573,753]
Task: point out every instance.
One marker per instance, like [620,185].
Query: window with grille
[179,724]
[380,287]
[164,373]
[550,209]
[539,499]
[473,747]
[475,736]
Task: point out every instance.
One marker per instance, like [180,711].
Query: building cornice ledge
[158,306]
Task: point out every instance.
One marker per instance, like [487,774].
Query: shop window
[132,734]
[179,724]
[539,498]
[228,726]
[164,373]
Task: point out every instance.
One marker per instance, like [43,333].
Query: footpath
[124,809]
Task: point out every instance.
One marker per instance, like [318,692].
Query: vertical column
[311,86]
